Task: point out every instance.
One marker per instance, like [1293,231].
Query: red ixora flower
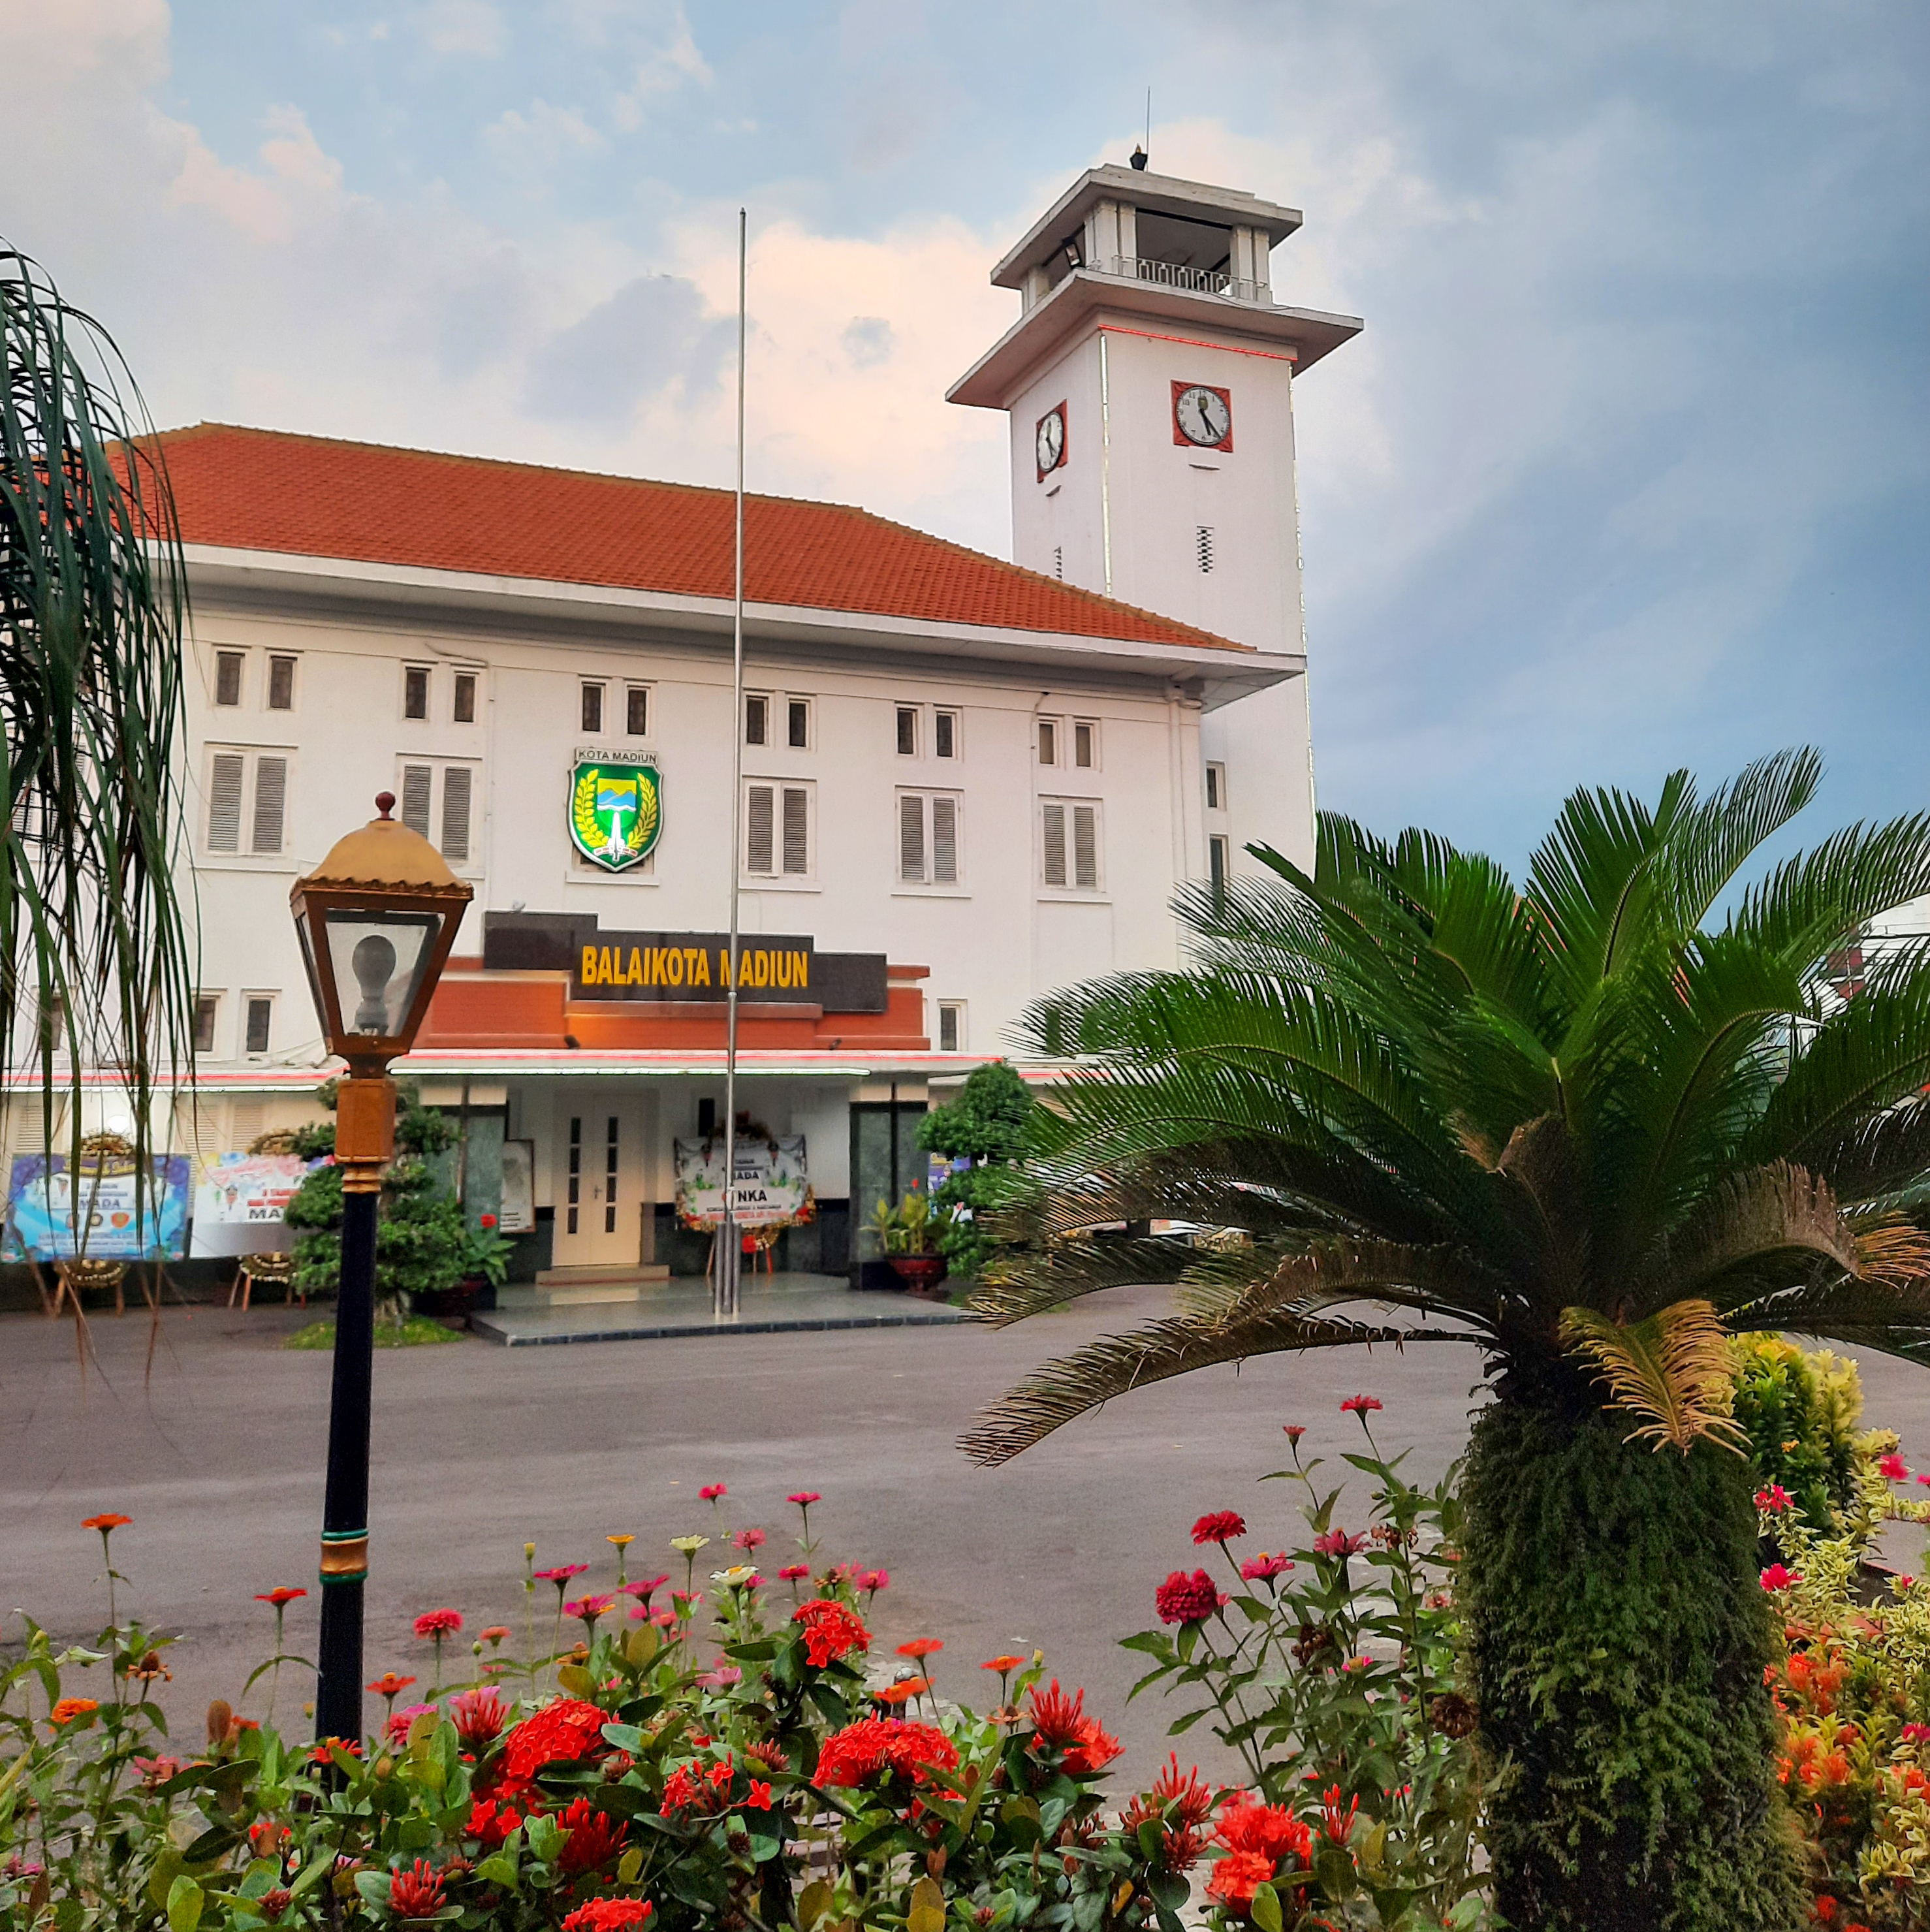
[478,1717]
[416,1893]
[1060,1722]
[1772,1500]
[1360,1405]
[608,1915]
[858,1752]
[595,1837]
[1263,1568]
[1182,1599]
[1893,1467]
[282,1593]
[565,1730]
[105,1523]
[1777,1577]
[711,1492]
[831,1630]
[438,1623]
[1337,1543]
[1219,1527]
[489,1826]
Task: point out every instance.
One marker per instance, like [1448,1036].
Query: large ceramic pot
[919,1271]
[452,1303]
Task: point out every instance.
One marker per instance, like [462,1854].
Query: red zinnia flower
[903,1691]
[921,1646]
[595,1837]
[1182,1599]
[561,1573]
[70,1710]
[711,1492]
[389,1685]
[282,1593]
[589,1609]
[608,1915]
[1359,1404]
[749,1539]
[1293,1431]
[416,1893]
[1001,1664]
[1220,1526]
[1263,1568]
[793,1573]
[438,1623]
[646,1590]
[105,1522]
[478,1717]
[831,1630]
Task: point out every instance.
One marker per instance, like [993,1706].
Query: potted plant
[908,1235]
[483,1256]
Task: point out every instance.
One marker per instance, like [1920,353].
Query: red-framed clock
[1202,416]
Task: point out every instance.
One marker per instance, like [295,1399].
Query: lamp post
[376,919]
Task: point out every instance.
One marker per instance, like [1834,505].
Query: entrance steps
[579,1287]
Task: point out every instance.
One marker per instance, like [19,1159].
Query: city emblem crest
[616,810]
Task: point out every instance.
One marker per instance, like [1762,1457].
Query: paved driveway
[217,1454]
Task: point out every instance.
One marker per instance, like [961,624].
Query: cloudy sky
[1632,467]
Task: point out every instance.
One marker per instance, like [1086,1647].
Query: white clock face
[1202,416]
[1050,439]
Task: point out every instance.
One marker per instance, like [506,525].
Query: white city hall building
[966,781]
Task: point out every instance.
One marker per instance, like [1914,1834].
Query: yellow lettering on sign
[700,960]
[800,969]
[724,966]
[674,962]
[636,973]
[781,962]
[606,969]
[589,975]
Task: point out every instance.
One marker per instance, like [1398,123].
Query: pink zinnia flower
[1293,1431]
[589,1609]
[438,1623]
[1772,1500]
[1182,1599]
[561,1574]
[871,1581]
[645,1589]
[1776,1577]
[1263,1568]
[793,1573]
[749,1539]
[1219,1526]
[805,1498]
[711,1492]
[1910,1734]
[1337,1543]
[1360,1405]
[1893,1467]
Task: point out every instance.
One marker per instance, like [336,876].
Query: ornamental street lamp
[376,920]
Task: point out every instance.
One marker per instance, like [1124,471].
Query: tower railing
[1178,275]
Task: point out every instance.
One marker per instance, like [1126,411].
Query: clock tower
[1149,381]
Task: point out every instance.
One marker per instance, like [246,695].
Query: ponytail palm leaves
[1586,1123]
[94,951]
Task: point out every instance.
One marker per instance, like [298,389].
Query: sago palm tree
[1590,1125]
[95,955]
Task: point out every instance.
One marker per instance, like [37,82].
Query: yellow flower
[621,1542]
[688,1545]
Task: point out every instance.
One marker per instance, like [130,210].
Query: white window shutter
[797,832]
[416,781]
[1055,844]
[1085,847]
[912,838]
[224,802]
[270,799]
[758,830]
[456,784]
[945,842]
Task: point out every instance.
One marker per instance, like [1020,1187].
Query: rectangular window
[797,723]
[945,734]
[1216,787]
[416,690]
[1069,843]
[928,838]
[228,677]
[1049,741]
[1216,859]
[777,831]
[417,785]
[575,1168]
[908,731]
[610,1151]
[1085,745]
[637,711]
[951,1026]
[458,781]
[261,1016]
[227,773]
[591,718]
[207,1012]
[271,802]
[757,720]
[280,684]
[465,698]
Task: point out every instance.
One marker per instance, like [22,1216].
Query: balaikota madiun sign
[616,807]
[692,966]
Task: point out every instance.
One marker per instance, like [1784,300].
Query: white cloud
[670,61]
[477,27]
[540,136]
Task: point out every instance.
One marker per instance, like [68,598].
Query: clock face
[1050,440]
[1202,416]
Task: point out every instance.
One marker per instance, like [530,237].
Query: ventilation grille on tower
[1059,561]
[1203,542]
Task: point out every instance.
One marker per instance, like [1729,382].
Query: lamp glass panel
[302,933]
[378,959]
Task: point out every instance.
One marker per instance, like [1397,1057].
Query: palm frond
[1709,842]
[1819,900]
[1062,1390]
[1672,1368]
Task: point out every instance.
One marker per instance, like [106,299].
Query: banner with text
[239,1201]
[47,1208]
[773,1185]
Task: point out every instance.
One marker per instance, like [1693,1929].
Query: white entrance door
[600,1197]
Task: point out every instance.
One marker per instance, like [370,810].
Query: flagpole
[724,1288]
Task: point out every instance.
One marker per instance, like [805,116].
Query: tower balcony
[1183,275]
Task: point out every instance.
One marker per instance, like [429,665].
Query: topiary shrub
[986,1124]
[1618,1638]
[1800,1408]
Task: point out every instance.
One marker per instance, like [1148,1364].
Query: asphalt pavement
[212,1437]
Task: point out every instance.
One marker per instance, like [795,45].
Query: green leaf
[1265,1912]
[1393,1903]
[927,1912]
[184,1901]
[1335,1871]
[813,1902]
[374,1886]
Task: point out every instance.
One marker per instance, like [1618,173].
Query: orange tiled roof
[265,490]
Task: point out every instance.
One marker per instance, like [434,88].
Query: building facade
[965,782]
